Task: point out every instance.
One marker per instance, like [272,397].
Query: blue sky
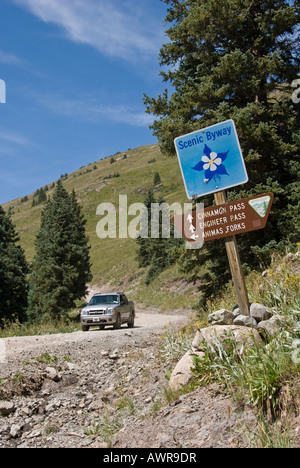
[75,73]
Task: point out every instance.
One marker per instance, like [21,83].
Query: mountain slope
[113,260]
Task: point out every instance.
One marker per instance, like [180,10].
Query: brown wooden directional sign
[228,219]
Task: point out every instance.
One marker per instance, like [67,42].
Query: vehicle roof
[108,294]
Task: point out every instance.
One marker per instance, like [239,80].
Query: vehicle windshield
[104,299]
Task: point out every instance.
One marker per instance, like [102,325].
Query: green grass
[114,261]
[263,375]
[16,328]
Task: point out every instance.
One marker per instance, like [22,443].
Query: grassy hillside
[114,260]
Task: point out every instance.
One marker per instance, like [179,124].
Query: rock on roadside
[243,336]
[183,373]
[6,408]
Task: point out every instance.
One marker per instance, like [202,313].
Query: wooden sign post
[211,161]
[226,220]
[235,264]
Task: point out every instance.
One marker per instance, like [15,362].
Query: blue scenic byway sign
[211,159]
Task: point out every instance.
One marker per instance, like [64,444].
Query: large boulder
[245,321]
[183,374]
[272,327]
[220,333]
[221,317]
[260,312]
[243,336]
[257,311]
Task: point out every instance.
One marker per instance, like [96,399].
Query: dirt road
[60,386]
[15,351]
[107,389]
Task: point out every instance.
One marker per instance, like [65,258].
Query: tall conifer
[61,267]
[13,272]
[157,246]
[237,59]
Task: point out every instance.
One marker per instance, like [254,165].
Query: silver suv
[108,309]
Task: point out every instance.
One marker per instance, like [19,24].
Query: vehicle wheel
[117,325]
[85,328]
[130,324]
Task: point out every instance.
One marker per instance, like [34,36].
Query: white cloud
[118,28]
[92,110]
[13,137]
[9,59]
[11,142]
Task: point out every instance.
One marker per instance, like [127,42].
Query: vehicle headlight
[110,311]
[84,312]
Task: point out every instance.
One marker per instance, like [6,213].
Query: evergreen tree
[236,59]
[144,240]
[157,247]
[156,179]
[42,197]
[61,267]
[13,271]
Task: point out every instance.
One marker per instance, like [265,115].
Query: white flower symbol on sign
[211,162]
